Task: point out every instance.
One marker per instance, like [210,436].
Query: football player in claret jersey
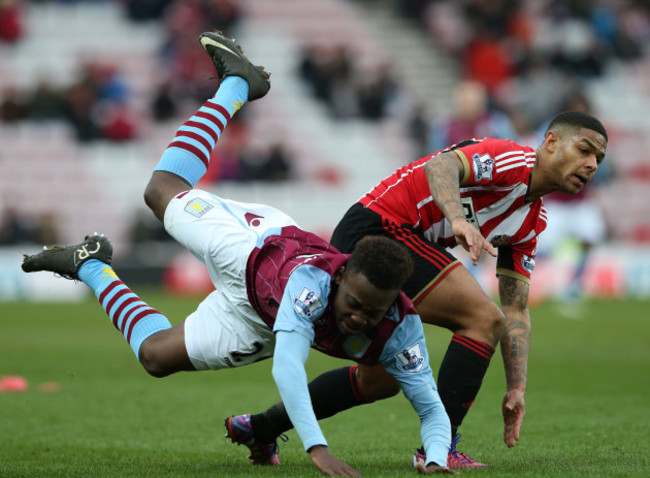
[279,290]
[486,195]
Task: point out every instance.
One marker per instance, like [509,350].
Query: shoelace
[459,456]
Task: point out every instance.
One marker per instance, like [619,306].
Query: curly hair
[384,262]
[577,119]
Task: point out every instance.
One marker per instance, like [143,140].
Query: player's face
[577,158]
[359,305]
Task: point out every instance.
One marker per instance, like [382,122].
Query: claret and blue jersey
[290,283]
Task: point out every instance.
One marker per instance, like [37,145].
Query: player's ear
[339,275]
[551,141]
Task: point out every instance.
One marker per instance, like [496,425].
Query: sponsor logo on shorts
[253,220]
[307,303]
[198,207]
[410,360]
[483,165]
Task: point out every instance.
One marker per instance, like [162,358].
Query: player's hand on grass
[433,468]
[328,464]
[514,411]
[471,239]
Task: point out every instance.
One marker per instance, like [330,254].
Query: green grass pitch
[588,403]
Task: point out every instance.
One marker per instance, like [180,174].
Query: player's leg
[187,157]
[459,304]
[331,393]
[158,345]
[444,294]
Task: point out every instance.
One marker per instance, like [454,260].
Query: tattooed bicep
[513,293]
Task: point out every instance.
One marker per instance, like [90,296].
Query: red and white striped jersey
[493,191]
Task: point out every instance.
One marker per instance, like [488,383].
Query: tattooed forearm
[517,334]
[443,175]
[514,325]
[515,337]
[515,346]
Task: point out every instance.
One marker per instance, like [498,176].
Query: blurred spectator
[45,103]
[118,123]
[14,227]
[488,61]
[46,230]
[223,15]
[273,166]
[11,21]
[145,228]
[448,26]
[328,73]
[164,105]
[13,107]
[332,77]
[80,102]
[190,68]
[108,81]
[145,10]
[471,118]
[376,94]
[574,48]
[96,105]
[412,9]
[418,130]
[536,92]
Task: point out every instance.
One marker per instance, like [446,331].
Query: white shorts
[224,331]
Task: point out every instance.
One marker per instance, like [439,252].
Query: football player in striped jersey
[484,195]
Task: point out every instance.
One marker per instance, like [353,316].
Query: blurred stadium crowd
[513,65]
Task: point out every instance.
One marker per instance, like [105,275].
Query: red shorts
[431,261]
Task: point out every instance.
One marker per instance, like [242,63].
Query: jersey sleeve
[405,357]
[303,301]
[291,352]
[492,162]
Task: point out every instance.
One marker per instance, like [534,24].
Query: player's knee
[153,195]
[488,322]
[162,187]
[152,361]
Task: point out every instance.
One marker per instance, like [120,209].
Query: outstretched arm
[443,174]
[291,352]
[435,430]
[515,346]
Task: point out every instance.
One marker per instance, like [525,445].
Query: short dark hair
[384,262]
[577,119]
